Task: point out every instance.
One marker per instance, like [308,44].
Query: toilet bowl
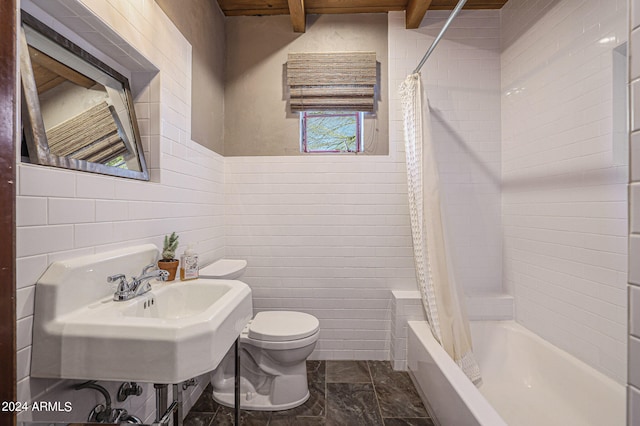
[274,347]
[273,372]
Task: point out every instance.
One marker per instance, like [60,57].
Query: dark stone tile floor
[343,393]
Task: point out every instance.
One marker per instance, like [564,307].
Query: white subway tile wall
[633,382]
[63,214]
[462,81]
[325,237]
[564,200]
[496,306]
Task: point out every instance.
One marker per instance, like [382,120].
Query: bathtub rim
[476,404]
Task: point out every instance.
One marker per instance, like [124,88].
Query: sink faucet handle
[117,277]
[121,279]
[148,268]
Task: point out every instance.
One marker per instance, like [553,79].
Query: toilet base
[254,401]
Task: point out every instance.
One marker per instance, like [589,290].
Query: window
[331,131]
[331,91]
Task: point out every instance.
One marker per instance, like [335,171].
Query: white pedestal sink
[175,332]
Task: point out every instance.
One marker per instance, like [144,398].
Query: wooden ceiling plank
[278,7]
[230,5]
[59,68]
[471,4]
[415,12]
[310,4]
[298,15]
[256,12]
[343,10]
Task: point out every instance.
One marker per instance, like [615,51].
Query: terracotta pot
[170,266]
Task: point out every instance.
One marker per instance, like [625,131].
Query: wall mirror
[77,112]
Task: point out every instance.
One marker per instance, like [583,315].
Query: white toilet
[274,349]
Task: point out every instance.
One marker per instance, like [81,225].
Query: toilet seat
[282,326]
[280,346]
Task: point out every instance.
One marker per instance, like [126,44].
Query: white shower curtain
[447,319]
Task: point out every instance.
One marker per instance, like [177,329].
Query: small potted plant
[168,262]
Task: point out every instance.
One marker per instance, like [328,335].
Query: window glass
[331,131]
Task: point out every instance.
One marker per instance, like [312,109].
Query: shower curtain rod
[442,31]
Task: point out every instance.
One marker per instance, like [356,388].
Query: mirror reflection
[78,112]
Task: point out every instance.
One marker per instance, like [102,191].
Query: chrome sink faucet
[127,290]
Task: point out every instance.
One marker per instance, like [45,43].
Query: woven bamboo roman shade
[335,81]
[91,136]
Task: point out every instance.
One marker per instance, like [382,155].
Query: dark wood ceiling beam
[415,12]
[298,15]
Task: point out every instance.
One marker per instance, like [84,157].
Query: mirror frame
[33,126]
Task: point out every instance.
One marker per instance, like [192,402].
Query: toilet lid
[280,326]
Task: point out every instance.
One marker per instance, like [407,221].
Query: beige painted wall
[202,24]
[256,121]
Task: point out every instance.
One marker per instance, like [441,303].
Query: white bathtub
[526,381]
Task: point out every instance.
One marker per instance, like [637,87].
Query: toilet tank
[224,269]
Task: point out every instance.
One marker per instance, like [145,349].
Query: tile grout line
[326,399]
[375,393]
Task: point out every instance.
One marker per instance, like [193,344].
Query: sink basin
[176,331]
[175,301]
